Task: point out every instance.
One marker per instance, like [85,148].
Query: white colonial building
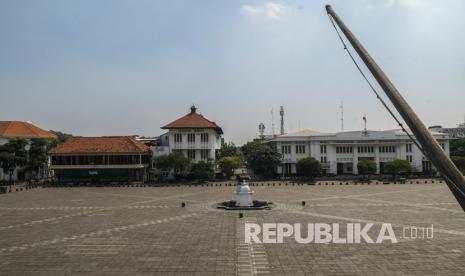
[195,136]
[340,152]
[21,130]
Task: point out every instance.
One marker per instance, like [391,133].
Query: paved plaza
[145,231]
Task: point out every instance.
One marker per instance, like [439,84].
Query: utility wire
[385,105]
[373,88]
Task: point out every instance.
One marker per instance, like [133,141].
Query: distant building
[193,135]
[454,132]
[339,153]
[101,159]
[24,130]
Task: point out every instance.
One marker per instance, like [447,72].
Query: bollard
[303,203]
[241,215]
[183,204]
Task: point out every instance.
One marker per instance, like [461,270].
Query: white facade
[196,144]
[454,132]
[340,152]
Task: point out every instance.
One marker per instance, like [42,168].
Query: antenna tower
[342,115]
[272,121]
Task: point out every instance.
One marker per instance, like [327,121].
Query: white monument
[244,194]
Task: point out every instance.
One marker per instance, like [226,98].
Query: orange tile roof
[17,129]
[106,144]
[193,120]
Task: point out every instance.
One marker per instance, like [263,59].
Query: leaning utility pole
[454,178]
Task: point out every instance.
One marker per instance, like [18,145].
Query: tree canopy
[228,164]
[61,138]
[459,161]
[228,149]
[308,167]
[37,154]
[202,170]
[457,147]
[398,166]
[261,158]
[174,161]
[366,167]
[12,155]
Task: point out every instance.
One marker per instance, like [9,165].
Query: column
[355,159]
[377,158]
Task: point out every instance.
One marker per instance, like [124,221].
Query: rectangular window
[323,159]
[286,149]
[204,137]
[409,158]
[365,149]
[191,138]
[204,154]
[191,154]
[408,148]
[344,149]
[178,137]
[323,149]
[300,149]
[384,149]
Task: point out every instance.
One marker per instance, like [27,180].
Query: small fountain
[244,200]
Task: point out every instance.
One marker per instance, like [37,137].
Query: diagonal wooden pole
[454,178]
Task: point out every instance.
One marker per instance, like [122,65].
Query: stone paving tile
[144,231]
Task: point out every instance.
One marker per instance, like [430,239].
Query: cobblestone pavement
[145,231]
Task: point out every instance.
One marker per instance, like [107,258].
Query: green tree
[457,147]
[308,167]
[366,167]
[228,149]
[459,161]
[202,170]
[60,139]
[37,155]
[175,161]
[397,166]
[13,155]
[228,164]
[261,158]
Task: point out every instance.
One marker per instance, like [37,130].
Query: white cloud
[251,10]
[270,10]
[410,4]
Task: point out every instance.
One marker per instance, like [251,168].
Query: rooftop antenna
[365,132]
[342,114]
[272,121]
[261,129]
[281,113]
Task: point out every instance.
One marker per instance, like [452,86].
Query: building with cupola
[193,135]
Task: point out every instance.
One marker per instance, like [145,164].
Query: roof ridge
[8,126]
[133,141]
[28,125]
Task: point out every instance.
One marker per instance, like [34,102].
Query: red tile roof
[17,129]
[193,120]
[109,144]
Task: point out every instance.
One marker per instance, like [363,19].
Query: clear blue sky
[128,67]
